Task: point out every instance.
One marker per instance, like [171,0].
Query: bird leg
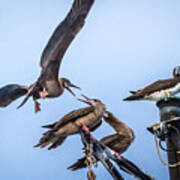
[85,128]
[91,175]
[37,106]
[43,93]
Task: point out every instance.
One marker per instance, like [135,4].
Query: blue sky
[123,46]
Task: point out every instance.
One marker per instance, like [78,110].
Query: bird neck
[99,109]
[119,126]
[61,82]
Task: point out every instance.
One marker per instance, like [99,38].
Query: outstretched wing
[62,37]
[10,93]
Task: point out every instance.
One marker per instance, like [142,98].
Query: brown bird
[159,89]
[118,142]
[69,125]
[48,84]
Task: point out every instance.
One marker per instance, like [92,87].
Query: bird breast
[99,109]
[175,89]
[53,88]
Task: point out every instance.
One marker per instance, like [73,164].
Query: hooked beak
[86,100]
[72,85]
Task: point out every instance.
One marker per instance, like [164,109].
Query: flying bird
[159,89]
[48,84]
[119,142]
[68,125]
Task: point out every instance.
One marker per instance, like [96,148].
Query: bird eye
[95,100]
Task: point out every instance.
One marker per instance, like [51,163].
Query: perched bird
[48,84]
[108,157]
[68,125]
[159,89]
[119,142]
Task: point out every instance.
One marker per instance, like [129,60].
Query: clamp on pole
[161,131]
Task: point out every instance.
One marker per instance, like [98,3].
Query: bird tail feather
[132,169]
[57,142]
[49,138]
[132,92]
[49,126]
[80,163]
[133,97]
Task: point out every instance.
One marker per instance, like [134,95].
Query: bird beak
[72,85]
[70,91]
[86,100]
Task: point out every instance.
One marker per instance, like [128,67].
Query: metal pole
[170,110]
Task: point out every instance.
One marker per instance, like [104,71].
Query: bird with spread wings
[49,84]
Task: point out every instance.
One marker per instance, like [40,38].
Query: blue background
[124,46]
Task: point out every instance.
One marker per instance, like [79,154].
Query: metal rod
[169,110]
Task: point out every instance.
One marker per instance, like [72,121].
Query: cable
[159,155]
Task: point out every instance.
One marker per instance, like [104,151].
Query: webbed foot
[37,107]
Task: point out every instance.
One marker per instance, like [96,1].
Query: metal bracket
[163,128]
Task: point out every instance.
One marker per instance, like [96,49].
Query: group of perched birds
[49,85]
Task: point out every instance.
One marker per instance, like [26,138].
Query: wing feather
[70,117]
[10,93]
[157,86]
[63,35]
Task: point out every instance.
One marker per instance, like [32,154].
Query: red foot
[37,107]
[43,94]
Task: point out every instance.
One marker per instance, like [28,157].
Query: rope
[159,155]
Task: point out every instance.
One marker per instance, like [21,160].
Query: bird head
[176,71]
[89,101]
[66,83]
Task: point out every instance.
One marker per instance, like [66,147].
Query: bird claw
[37,107]
[91,175]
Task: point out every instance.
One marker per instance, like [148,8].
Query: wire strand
[159,155]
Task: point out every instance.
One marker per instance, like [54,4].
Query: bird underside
[36,91]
